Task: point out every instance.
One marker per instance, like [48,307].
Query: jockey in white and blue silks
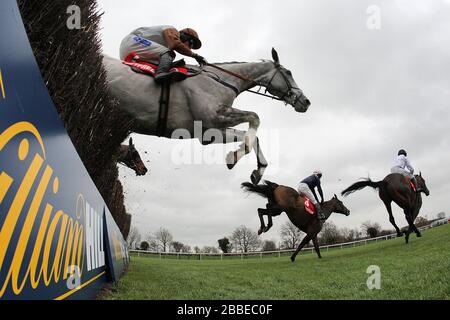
[402,165]
[307,187]
[158,44]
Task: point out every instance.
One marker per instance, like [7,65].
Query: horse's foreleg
[262,163]
[231,117]
[305,241]
[316,246]
[238,136]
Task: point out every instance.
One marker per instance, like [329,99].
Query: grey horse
[206,98]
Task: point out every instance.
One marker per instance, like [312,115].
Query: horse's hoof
[231,160]
[260,231]
[292,259]
[419,235]
[255,177]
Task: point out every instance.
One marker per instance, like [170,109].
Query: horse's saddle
[309,206]
[178,71]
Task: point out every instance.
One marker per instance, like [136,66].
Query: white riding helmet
[317,172]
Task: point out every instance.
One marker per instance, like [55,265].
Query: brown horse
[395,187]
[286,199]
[129,156]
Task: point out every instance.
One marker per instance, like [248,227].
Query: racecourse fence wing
[58,239]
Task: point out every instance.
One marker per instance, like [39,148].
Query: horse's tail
[362,184]
[266,190]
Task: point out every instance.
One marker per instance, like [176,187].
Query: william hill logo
[40,244]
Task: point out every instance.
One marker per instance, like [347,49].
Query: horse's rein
[231,73]
[239,76]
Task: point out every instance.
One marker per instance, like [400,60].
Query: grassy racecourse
[419,270]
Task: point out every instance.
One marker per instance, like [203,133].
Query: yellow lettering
[38,248]
[5,183]
[48,246]
[26,231]
[2,86]
[16,208]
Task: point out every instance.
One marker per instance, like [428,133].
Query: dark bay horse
[129,156]
[395,187]
[286,199]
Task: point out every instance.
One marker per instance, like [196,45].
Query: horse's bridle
[280,95]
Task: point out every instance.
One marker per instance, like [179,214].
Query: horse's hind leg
[261,212]
[412,226]
[271,212]
[388,205]
[305,240]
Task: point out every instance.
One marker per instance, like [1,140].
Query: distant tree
[349,235]
[134,238]
[421,221]
[197,249]
[186,249]
[330,234]
[208,249]
[164,238]
[441,215]
[370,229]
[386,232]
[153,243]
[224,245]
[372,232]
[144,245]
[177,246]
[290,235]
[269,245]
[245,240]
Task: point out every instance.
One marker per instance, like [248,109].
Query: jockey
[307,186]
[158,45]
[400,163]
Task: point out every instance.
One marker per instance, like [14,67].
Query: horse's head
[338,207]
[133,160]
[421,183]
[282,85]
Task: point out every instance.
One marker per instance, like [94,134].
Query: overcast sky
[373,91]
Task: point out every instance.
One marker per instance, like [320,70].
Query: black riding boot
[320,214]
[165,63]
[418,189]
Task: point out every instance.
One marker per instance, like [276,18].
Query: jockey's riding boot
[163,71]
[320,214]
[418,189]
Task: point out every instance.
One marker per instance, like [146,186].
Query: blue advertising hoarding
[57,237]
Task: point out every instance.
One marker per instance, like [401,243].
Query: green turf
[419,270]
